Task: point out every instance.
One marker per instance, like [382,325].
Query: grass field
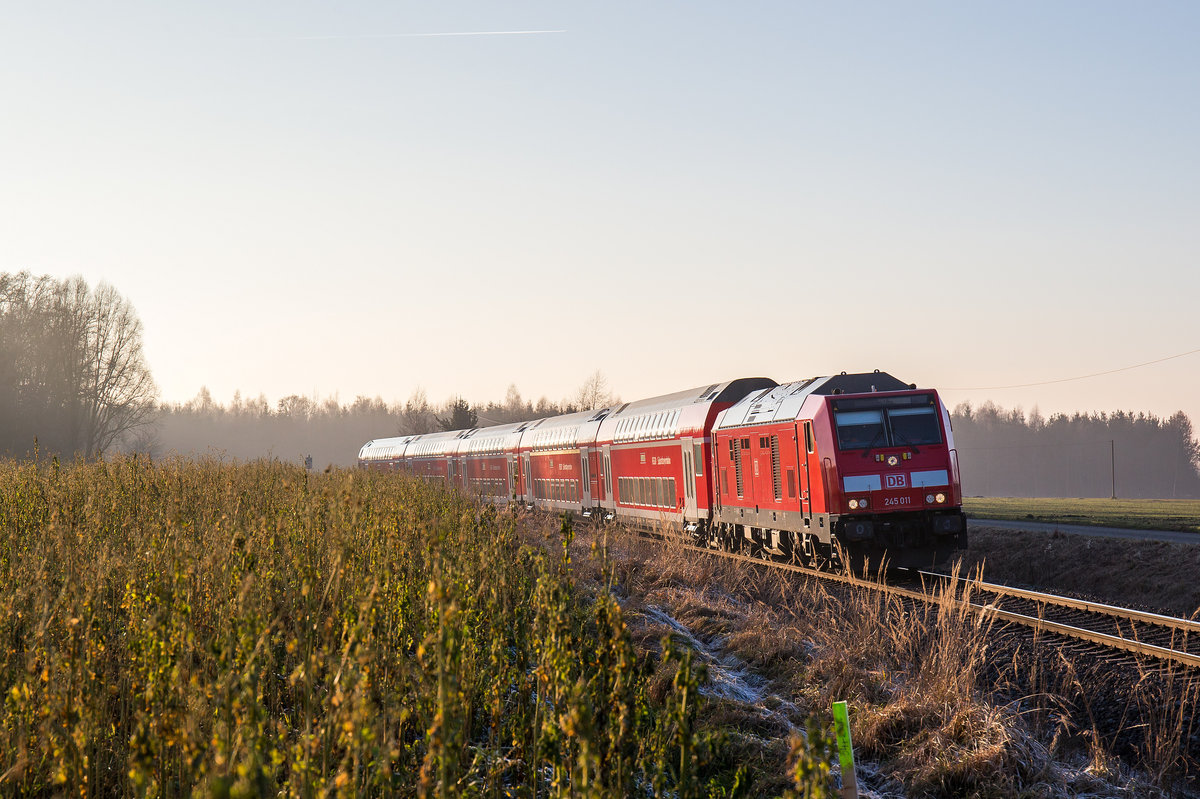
[205,629]
[1143,514]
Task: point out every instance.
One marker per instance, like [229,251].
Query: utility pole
[1112,455]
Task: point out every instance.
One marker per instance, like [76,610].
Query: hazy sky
[321,197]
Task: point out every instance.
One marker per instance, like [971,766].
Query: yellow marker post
[841,726]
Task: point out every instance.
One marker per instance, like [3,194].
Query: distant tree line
[72,372]
[73,378]
[1004,453]
[331,432]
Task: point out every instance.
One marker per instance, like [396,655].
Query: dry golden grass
[928,697]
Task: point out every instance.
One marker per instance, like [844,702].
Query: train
[857,469]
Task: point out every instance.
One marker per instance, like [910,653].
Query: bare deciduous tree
[74,374]
[116,390]
[419,416]
[594,393]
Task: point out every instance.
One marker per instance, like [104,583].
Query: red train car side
[858,465]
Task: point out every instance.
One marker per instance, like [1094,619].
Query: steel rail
[1112,641]
[1043,625]
[1184,625]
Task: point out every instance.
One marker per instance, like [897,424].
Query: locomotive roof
[783,402]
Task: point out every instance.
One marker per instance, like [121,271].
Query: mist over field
[1003,452]
[74,383]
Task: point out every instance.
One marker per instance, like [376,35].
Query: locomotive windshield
[887,422]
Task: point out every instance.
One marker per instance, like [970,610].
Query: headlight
[862,503]
[940,498]
[929,499]
[892,460]
[854,504]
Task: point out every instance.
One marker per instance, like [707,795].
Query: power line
[1080,377]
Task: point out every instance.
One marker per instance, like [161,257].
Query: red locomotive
[857,465]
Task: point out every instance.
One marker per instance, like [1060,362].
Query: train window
[808,437]
[860,429]
[762,442]
[791,480]
[671,495]
[745,443]
[698,458]
[914,426]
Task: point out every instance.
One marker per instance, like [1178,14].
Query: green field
[1144,514]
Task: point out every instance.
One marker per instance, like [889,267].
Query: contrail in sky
[423,35]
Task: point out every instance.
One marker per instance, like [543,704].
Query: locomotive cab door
[811,468]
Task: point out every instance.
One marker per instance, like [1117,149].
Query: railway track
[1151,634]
[1147,634]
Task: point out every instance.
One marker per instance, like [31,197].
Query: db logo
[896,481]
